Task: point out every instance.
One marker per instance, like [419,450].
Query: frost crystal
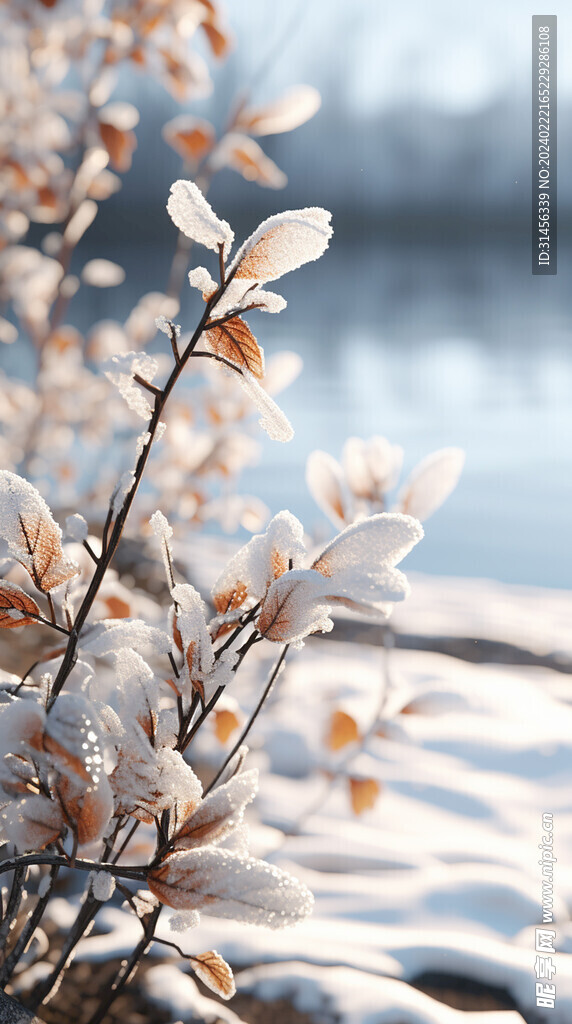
[102,885]
[165,325]
[201,279]
[113,634]
[190,212]
[76,528]
[184,920]
[122,369]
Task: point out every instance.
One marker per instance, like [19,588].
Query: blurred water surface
[430,345]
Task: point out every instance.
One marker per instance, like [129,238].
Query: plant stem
[263,698]
[28,930]
[128,968]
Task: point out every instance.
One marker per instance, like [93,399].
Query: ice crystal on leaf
[113,634]
[228,885]
[16,606]
[219,814]
[201,279]
[192,636]
[33,537]
[190,212]
[294,607]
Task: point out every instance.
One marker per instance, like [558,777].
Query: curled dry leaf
[290,111]
[215,973]
[235,341]
[363,794]
[191,137]
[32,535]
[244,155]
[15,606]
[343,730]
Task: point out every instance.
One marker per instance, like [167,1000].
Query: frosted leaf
[294,607]
[34,539]
[283,243]
[190,212]
[221,674]
[196,642]
[184,920]
[230,886]
[251,570]
[214,972]
[326,484]
[147,781]
[431,482]
[76,528]
[125,485]
[121,371]
[102,885]
[144,902]
[16,606]
[235,341]
[371,467]
[113,634]
[358,565]
[289,111]
[102,274]
[166,326]
[201,279]
[191,137]
[138,690]
[164,533]
[219,814]
[240,294]
[32,823]
[123,116]
[272,419]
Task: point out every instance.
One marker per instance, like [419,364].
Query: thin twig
[263,698]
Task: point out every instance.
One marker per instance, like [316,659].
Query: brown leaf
[343,730]
[14,599]
[118,609]
[41,538]
[235,341]
[215,973]
[191,137]
[225,724]
[249,159]
[363,794]
[119,144]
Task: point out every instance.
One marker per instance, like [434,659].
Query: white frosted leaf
[282,243]
[102,274]
[431,482]
[184,920]
[227,885]
[190,212]
[121,370]
[33,537]
[289,111]
[282,369]
[358,565]
[250,571]
[219,814]
[76,528]
[16,606]
[272,419]
[371,467]
[295,607]
[114,634]
[80,221]
[326,484]
[123,116]
[102,885]
[245,156]
[164,533]
[32,823]
[190,614]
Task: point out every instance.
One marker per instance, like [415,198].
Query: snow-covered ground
[442,873]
